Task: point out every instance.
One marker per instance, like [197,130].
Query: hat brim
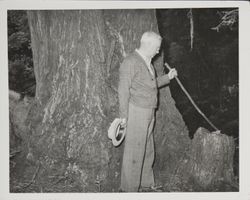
[116,132]
[119,135]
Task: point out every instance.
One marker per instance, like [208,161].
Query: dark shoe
[154,188]
[120,190]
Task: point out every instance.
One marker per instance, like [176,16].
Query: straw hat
[116,133]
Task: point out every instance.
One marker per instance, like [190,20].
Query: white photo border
[244,100]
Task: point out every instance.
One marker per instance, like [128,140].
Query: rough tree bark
[69,116]
[76,60]
[211,159]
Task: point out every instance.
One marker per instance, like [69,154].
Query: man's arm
[126,73]
[165,79]
[162,80]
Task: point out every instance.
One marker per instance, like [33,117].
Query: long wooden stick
[192,101]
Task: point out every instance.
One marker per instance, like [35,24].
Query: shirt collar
[147,60]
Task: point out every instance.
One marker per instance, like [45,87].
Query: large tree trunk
[69,119]
[77,55]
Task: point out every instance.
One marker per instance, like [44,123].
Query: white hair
[150,36]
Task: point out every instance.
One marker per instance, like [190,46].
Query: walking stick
[192,101]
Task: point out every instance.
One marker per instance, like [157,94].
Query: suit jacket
[137,85]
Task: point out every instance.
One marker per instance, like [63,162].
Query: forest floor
[26,177]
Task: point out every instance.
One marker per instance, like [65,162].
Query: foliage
[21,75]
[228,19]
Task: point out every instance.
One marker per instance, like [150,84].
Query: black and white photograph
[124,100]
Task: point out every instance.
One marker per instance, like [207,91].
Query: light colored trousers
[138,155]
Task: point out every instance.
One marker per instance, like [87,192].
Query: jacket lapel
[145,64]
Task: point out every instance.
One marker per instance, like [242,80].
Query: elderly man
[138,87]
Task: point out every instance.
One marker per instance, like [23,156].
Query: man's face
[154,47]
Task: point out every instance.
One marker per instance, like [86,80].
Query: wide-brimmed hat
[116,132]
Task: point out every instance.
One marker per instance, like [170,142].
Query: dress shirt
[147,61]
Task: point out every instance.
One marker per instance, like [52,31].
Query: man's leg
[147,178]
[134,149]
